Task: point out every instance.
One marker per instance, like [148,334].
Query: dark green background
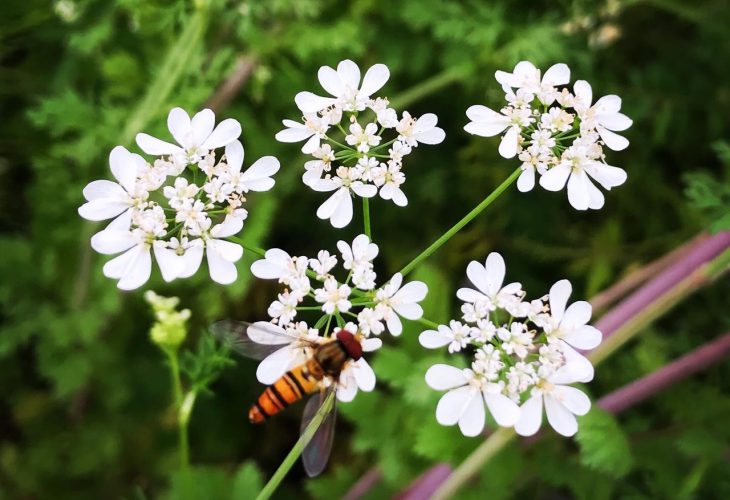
[84,411]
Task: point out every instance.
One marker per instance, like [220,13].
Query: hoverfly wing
[317,452]
[253,340]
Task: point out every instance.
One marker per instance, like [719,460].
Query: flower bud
[169,329]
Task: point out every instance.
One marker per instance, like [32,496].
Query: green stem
[298,448]
[463,222]
[492,445]
[366,217]
[258,251]
[182,426]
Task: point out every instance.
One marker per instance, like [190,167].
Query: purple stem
[364,484]
[703,251]
[425,484]
[639,390]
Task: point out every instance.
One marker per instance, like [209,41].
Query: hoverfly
[326,359]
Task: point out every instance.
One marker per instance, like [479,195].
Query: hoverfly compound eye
[350,343]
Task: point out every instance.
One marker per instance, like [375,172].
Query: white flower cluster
[366,163]
[357,297]
[524,356]
[179,206]
[556,133]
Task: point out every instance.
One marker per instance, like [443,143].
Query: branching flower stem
[463,222]
[298,448]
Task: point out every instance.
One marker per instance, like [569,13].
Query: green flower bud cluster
[169,329]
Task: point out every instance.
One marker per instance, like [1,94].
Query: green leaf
[603,445]
[247,482]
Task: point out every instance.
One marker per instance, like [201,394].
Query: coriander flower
[294,339]
[344,85]
[562,402]
[467,394]
[366,162]
[555,134]
[195,137]
[570,325]
[522,352]
[375,308]
[107,199]
[488,279]
[357,374]
[395,300]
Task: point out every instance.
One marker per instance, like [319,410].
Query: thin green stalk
[497,441]
[463,222]
[298,448]
[256,250]
[366,217]
[182,427]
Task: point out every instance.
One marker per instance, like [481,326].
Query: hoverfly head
[350,344]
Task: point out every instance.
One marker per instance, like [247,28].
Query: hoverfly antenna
[350,343]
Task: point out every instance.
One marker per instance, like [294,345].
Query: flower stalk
[463,222]
[298,448]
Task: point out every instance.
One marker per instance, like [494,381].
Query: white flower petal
[221,256]
[585,337]
[132,268]
[505,411]
[124,166]
[495,269]
[153,146]
[347,387]
[273,266]
[432,339]
[226,132]
[614,121]
[555,178]
[263,332]
[371,344]
[577,314]
[559,417]
[557,74]
[530,416]
[526,180]
[508,144]
[444,377]
[330,81]
[613,141]
[178,122]
[192,259]
[453,404]
[258,176]
[374,79]
[171,264]
[471,422]
[349,73]
[583,91]
[293,134]
[435,135]
[277,364]
[578,190]
[573,399]
[479,276]
[559,294]
[363,374]
[102,209]
[608,104]
[234,155]
[469,294]
[484,121]
[364,190]
[308,102]
[606,175]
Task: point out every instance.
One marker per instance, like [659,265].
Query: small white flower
[570,324]
[107,199]
[604,115]
[488,123]
[516,339]
[338,207]
[357,374]
[457,336]
[221,254]
[413,131]
[361,252]
[279,265]
[257,177]
[488,279]
[323,264]
[464,402]
[344,85]
[561,401]
[390,181]
[527,77]
[285,308]
[370,321]
[195,138]
[576,169]
[314,129]
[181,194]
[363,138]
[395,301]
[333,297]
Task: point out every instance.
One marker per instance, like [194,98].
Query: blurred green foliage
[85,411]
